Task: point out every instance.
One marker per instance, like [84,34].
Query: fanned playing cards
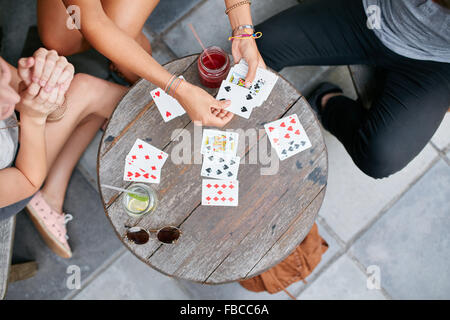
[144,163]
[244,100]
[287,136]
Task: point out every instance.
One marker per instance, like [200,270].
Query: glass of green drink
[142,202]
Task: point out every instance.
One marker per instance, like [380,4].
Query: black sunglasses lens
[168,235]
[138,236]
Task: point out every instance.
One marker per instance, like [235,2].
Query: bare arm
[21,181]
[247,48]
[103,34]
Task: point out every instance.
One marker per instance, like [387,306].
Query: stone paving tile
[130,278]
[343,280]
[441,138]
[236,291]
[91,237]
[410,243]
[168,12]
[354,199]
[161,52]
[212,26]
[88,162]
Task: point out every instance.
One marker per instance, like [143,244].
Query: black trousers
[413,95]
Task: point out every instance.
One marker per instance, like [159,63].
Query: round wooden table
[219,244]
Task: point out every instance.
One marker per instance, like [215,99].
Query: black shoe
[315,98]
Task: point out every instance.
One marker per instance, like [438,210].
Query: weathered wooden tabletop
[219,244]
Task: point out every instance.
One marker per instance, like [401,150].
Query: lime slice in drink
[138,197]
[136,205]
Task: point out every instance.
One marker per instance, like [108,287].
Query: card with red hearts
[220,193]
[168,106]
[144,163]
[287,136]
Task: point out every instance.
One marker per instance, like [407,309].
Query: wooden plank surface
[6,242]
[220,244]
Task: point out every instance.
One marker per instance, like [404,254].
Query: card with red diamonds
[220,192]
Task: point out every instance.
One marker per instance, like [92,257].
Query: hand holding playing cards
[248,50]
[202,107]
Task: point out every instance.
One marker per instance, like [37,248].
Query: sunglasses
[167,235]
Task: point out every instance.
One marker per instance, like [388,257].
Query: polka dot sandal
[50,224]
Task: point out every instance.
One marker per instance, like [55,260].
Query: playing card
[242,101]
[136,173]
[220,192]
[168,106]
[220,166]
[262,85]
[144,163]
[287,136]
[219,141]
[146,155]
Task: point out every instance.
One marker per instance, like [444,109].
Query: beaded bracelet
[237,5]
[256,35]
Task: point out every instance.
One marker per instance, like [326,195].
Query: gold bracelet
[234,6]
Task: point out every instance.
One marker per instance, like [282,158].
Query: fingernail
[228,103]
[48,89]
[43,83]
[35,79]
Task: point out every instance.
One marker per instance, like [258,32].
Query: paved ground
[396,226]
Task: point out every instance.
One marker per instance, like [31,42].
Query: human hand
[46,69]
[202,107]
[56,69]
[247,49]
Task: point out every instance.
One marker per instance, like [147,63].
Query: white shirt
[9,141]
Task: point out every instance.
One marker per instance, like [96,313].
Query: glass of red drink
[213,66]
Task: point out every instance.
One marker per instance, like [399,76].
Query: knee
[381,159]
[57,42]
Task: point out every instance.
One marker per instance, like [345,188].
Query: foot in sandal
[50,224]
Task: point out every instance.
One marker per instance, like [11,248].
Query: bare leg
[52,18]
[89,102]
[130,16]
[59,175]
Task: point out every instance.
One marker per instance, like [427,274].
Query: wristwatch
[242,27]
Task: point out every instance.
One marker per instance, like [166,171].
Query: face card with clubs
[287,136]
[242,101]
[219,141]
[220,192]
[220,166]
[262,84]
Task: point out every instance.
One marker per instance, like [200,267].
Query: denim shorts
[15,208]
